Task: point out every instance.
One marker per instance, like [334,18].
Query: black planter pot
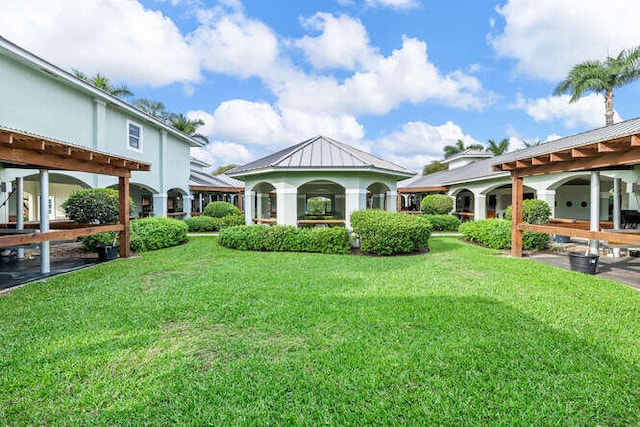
[107,252]
[584,263]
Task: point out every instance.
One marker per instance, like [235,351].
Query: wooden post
[240,197]
[516,215]
[125,237]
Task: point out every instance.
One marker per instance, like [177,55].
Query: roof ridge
[294,149]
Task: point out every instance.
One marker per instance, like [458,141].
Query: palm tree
[153,108]
[459,147]
[103,83]
[223,169]
[187,125]
[433,167]
[534,143]
[498,148]
[602,77]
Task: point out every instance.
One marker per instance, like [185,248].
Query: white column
[200,207]
[249,207]
[392,201]
[616,203]
[20,211]
[187,202]
[287,202]
[479,206]
[595,210]
[160,205]
[355,200]
[45,254]
[548,196]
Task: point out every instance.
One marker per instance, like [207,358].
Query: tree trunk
[608,107]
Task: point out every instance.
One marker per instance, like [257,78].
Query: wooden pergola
[600,154]
[23,150]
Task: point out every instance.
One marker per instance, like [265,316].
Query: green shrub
[281,238]
[444,222]
[94,206]
[533,212]
[221,209]
[90,243]
[496,234]
[205,223]
[388,233]
[436,204]
[149,234]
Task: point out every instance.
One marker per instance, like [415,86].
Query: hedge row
[283,238]
[496,234]
[388,233]
[206,223]
[444,222]
[436,204]
[147,234]
[221,209]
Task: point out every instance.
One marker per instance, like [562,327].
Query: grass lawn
[201,334]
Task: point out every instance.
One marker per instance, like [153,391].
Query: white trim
[139,149]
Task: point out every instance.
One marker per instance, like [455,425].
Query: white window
[134,136]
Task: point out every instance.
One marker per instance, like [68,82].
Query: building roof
[27,58]
[203,179]
[318,153]
[468,153]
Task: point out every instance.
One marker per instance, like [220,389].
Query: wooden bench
[321,222]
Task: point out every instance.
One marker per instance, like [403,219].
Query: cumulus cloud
[65,32]
[404,76]
[418,143]
[233,44]
[343,43]
[394,4]
[548,37]
[219,153]
[262,125]
[587,111]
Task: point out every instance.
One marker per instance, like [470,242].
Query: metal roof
[320,152]
[203,179]
[468,153]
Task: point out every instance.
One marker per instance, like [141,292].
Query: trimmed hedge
[283,238]
[534,211]
[388,233]
[206,223]
[436,204]
[148,234]
[94,206]
[444,222]
[221,209]
[496,234]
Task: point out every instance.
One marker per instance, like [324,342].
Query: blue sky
[398,78]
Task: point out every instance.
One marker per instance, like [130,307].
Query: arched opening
[572,200]
[265,207]
[60,188]
[321,200]
[175,203]
[499,198]
[142,196]
[377,196]
[465,204]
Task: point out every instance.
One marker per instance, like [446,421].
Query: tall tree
[223,169]
[498,148]
[602,77]
[433,167]
[154,108]
[187,126]
[534,143]
[103,83]
[459,147]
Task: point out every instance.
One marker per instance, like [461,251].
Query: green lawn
[201,334]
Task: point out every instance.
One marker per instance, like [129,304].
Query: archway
[465,204]
[265,206]
[572,197]
[60,188]
[498,199]
[377,196]
[321,199]
[142,196]
[176,202]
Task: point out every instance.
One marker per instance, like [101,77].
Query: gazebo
[288,187]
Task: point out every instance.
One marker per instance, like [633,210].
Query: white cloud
[233,44]
[220,153]
[262,125]
[587,111]
[548,37]
[394,4]
[344,42]
[404,76]
[418,143]
[121,39]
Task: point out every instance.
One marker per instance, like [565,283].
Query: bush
[151,233]
[496,234]
[388,233]
[444,222]
[94,206]
[436,204]
[90,243]
[221,209]
[533,212]
[282,238]
[207,224]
